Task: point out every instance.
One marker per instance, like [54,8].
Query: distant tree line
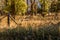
[21,6]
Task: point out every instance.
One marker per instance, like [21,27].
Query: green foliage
[21,6]
[7,8]
[58,5]
[53,7]
[45,4]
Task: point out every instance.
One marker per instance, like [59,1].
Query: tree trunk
[6,2]
[35,7]
[13,8]
[31,6]
[27,4]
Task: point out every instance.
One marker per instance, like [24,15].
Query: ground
[26,21]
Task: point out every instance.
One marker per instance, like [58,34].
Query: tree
[7,7]
[16,7]
[20,6]
[58,5]
[33,6]
[45,4]
[27,4]
[53,7]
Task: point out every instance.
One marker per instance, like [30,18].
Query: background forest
[23,7]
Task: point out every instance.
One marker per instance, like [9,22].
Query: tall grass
[21,33]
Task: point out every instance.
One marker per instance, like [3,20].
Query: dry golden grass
[26,21]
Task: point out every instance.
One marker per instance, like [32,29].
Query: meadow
[31,28]
[46,32]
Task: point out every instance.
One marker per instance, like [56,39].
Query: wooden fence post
[8,18]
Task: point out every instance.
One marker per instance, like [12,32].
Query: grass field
[26,21]
[46,32]
[31,28]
